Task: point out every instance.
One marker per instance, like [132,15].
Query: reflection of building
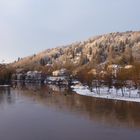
[57,88]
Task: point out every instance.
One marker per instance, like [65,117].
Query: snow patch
[111,94]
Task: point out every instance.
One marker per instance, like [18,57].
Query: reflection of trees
[100,110]
[30,86]
[6,97]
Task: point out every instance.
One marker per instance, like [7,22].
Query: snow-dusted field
[132,95]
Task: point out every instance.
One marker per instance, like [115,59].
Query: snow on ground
[131,96]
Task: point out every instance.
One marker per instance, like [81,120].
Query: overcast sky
[31,26]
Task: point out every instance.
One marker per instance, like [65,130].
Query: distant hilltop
[113,48]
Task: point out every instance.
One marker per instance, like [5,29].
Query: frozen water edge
[112,95]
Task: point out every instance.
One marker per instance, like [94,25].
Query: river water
[34,112]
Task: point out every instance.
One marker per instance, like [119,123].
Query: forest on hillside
[82,58]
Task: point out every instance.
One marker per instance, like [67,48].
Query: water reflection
[110,112]
[5,96]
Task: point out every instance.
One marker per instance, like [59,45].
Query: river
[35,112]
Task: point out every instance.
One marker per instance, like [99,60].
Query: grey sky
[31,26]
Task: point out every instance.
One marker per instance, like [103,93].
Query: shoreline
[84,91]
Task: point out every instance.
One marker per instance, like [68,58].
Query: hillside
[117,48]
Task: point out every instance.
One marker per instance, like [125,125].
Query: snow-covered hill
[122,48]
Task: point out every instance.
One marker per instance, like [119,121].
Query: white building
[61,72]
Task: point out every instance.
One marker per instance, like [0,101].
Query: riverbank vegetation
[5,74]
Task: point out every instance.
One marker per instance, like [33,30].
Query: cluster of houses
[59,77]
[30,76]
[62,76]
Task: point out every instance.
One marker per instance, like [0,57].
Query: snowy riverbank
[131,95]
